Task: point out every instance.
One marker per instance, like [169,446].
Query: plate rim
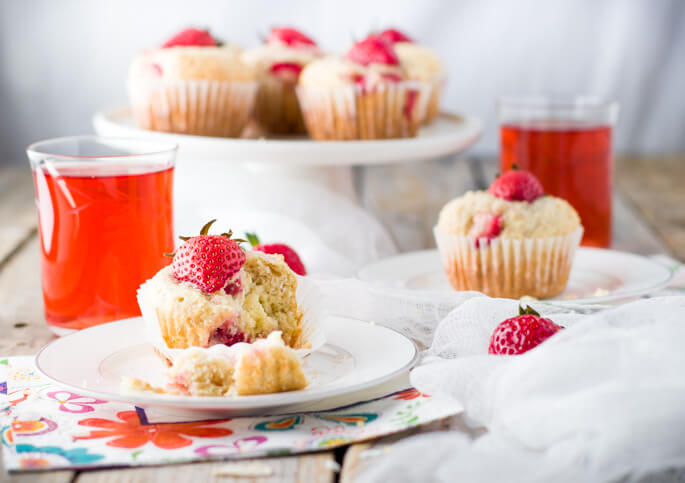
[667,276]
[256,402]
[273,151]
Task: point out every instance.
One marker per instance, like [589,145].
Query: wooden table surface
[648,218]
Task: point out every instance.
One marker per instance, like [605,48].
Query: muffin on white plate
[214,293]
[278,63]
[192,85]
[421,64]
[509,241]
[364,95]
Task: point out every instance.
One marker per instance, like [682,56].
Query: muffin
[278,64]
[192,85]
[264,367]
[364,95]
[510,241]
[215,293]
[420,64]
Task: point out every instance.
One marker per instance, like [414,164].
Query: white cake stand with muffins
[327,163]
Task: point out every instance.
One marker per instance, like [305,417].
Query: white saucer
[595,271]
[92,362]
[446,135]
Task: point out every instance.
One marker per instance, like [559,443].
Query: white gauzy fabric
[602,400]
[332,234]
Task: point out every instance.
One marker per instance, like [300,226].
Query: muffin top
[420,63]
[545,216]
[191,54]
[283,45]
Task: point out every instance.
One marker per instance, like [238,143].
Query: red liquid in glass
[573,162]
[102,234]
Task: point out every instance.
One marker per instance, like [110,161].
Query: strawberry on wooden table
[209,262]
[289,254]
[521,333]
[191,37]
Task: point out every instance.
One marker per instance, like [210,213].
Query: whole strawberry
[393,36]
[191,37]
[290,37]
[521,333]
[516,185]
[209,262]
[373,50]
[289,254]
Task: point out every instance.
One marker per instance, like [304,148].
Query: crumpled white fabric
[602,400]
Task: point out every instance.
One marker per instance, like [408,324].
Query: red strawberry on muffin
[373,50]
[517,185]
[289,254]
[485,225]
[191,37]
[521,333]
[209,262]
[290,37]
[393,36]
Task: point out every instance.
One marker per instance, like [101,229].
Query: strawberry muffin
[263,367]
[364,95]
[192,85]
[278,64]
[215,293]
[420,64]
[509,241]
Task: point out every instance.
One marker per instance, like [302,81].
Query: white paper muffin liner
[309,301]
[433,105]
[352,112]
[199,107]
[509,268]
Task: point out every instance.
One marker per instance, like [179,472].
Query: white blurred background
[61,61]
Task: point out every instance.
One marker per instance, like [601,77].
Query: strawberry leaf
[252,238]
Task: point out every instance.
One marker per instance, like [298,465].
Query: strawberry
[191,37]
[289,254]
[393,36]
[290,37]
[521,333]
[227,334]
[485,225]
[209,262]
[286,71]
[517,185]
[373,50]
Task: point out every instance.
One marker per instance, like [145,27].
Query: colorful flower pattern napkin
[46,427]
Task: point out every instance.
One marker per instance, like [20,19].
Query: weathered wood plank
[316,468]
[17,209]
[656,188]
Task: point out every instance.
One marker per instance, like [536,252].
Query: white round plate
[93,361]
[597,275]
[447,135]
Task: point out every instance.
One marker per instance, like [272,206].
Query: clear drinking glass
[105,220]
[566,143]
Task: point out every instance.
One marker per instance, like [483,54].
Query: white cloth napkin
[602,400]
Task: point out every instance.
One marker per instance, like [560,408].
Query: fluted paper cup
[509,268]
[198,107]
[310,339]
[433,107]
[391,110]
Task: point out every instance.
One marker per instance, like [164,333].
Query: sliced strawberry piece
[191,38]
[409,103]
[516,185]
[393,36]
[286,71]
[226,334]
[290,37]
[485,225]
[373,50]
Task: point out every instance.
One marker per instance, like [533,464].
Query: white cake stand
[327,163]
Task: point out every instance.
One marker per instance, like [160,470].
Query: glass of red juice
[566,143]
[105,221]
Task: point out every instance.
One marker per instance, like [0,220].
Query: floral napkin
[46,427]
